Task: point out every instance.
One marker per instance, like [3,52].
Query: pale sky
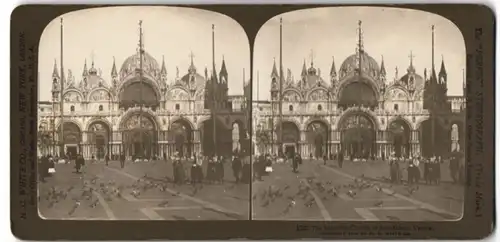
[104,33]
[332,31]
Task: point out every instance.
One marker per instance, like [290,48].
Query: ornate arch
[317,119]
[199,94]
[134,111]
[393,88]
[76,91]
[96,120]
[182,120]
[319,89]
[352,111]
[171,91]
[357,79]
[289,90]
[74,121]
[132,78]
[285,120]
[399,118]
[110,95]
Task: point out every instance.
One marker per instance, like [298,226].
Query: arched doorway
[317,137]
[139,137]
[99,139]
[215,138]
[358,94]
[358,136]
[291,138]
[181,134]
[138,93]
[71,139]
[399,136]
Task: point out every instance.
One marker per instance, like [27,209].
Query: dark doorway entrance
[72,151]
[290,150]
[400,134]
[358,136]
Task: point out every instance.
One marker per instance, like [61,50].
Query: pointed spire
[55,72]
[114,73]
[383,72]
[223,69]
[192,68]
[304,69]
[274,73]
[333,69]
[85,71]
[163,70]
[442,71]
[425,74]
[360,48]
[206,73]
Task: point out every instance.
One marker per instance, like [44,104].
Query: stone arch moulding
[133,111]
[285,120]
[401,118]
[354,111]
[317,119]
[72,90]
[133,78]
[292,91]
[181,88]
[110,95]
[357,79]
[74,121]
[319,89]
[181,119]
[97,120]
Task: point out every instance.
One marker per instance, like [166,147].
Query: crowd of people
[430,167]
[214,169]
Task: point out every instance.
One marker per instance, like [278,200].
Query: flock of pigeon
[325,190]
[87,191]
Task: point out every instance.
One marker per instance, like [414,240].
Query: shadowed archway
[399,136]
[99,139]
[358,135]
[317,138]
[181,135]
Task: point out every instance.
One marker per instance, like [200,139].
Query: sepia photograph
[358,114]
[144,114]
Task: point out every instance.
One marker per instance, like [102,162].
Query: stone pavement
[321,192]
[145,193]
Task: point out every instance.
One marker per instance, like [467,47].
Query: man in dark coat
[80,161]
[340,159]
[236,165]
[295,163]
[106,159]
[122,160]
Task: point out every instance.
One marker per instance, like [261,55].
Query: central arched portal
[317,137]
[399,136]
[72,138]
[358,136]
[181,135]
[358,94]
[291,138]
[139,134]
[216,138]
[99,139]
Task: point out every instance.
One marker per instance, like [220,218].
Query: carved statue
[177,72]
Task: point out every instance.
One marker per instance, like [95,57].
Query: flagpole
[141,82]
[280,149]
[61,106]
[214,94]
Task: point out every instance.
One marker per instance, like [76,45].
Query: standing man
[122,160]
[324,159]
[106,159]
[340,159]
[236,165]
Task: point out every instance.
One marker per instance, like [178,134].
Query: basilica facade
[152,117]
[355,111]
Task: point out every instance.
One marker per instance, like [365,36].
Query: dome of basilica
[369,65]
[412,76]
[149,64]
[193,81]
